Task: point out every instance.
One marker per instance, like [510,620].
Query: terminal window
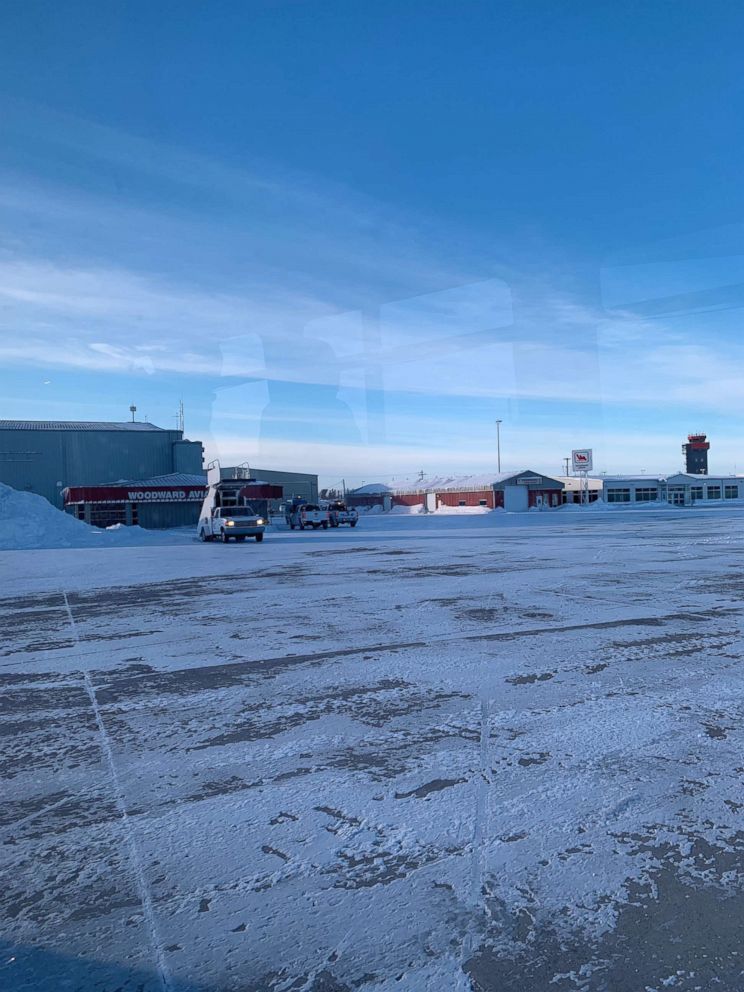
[646,495]
[731,492]
[618,495]
[714,492]
[696,492]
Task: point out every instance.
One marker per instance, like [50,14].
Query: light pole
[498,444]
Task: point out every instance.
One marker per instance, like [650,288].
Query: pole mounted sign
[582,460]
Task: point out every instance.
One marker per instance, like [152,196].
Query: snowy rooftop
[572,483]
[77,425]
[626,478]
[415,483]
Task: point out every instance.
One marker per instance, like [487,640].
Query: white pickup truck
[305,515]
[339,513]
[237,522]
[225,512]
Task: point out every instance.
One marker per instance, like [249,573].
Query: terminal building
[572,492]
[680,489]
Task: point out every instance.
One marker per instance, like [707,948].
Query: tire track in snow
[143,889]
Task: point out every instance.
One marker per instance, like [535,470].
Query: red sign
[134,494]
[262,490]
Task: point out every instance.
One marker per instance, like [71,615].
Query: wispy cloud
[110,319]
[149,259]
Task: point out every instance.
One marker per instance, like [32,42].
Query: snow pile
[463,509]
[121,534]
[401,508]
[30,521]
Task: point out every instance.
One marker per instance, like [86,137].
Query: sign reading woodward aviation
[164,495]
[123,494]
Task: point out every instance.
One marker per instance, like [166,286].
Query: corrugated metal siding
[106,457]
[301,484]
[37,461]
[188,457]
[157,516]
[33,462]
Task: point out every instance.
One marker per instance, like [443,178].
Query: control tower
[696,454]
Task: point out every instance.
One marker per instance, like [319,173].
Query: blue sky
[351,236]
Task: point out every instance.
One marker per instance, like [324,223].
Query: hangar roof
[183,479]
[76,425]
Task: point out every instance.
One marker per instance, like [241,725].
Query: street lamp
[498,443]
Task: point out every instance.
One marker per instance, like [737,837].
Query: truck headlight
[230,523]
[260,521]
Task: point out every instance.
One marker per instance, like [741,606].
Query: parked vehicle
[304,515]
[339,513]
[225,512]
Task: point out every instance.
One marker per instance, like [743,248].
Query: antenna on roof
[181,426]
[133,410]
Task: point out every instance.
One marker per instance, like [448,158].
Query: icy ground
[498,752]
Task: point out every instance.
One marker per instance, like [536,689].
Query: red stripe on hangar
[134,494]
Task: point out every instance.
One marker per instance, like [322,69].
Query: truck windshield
[237,511]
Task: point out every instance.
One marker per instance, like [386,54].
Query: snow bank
[30,521]
[444,510]
[600,505]
[400,508]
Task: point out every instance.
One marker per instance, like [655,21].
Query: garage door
[516,498]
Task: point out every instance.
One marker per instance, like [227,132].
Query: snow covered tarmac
[498,752]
